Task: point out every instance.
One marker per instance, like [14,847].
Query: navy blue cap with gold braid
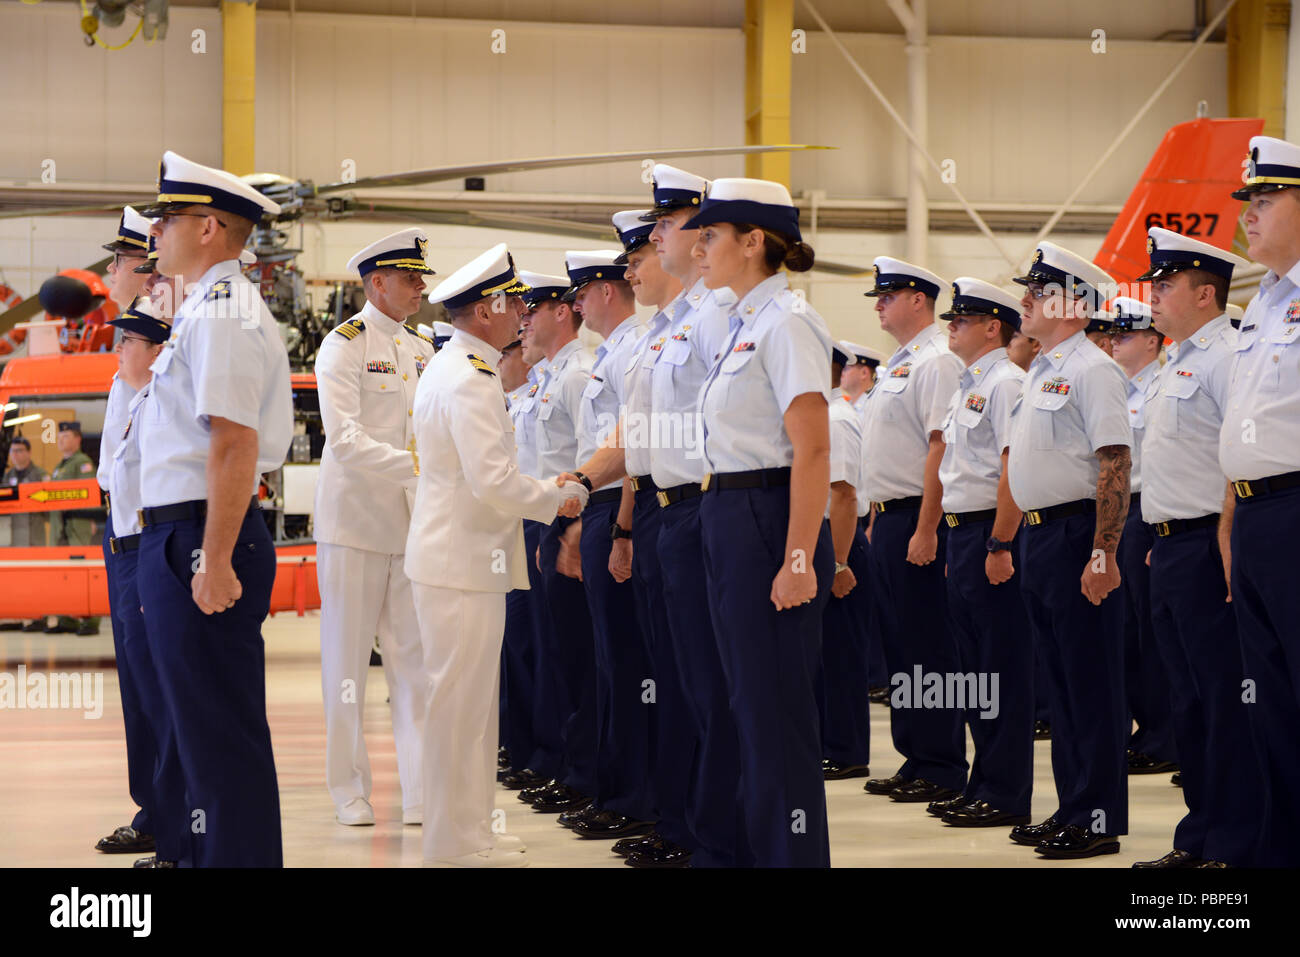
[1172,252]
[752,202]
[150,263]
[1274,164]
[488,274]
[140,319]
[404,249]
[633,232]
[182,182]
[132,234]
[674,189]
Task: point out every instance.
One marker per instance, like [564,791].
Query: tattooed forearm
[1112,495]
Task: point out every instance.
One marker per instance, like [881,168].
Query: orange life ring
[10,297]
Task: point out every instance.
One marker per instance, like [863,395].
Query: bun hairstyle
[780,250]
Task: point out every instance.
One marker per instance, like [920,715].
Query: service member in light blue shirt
[1259,450]
[1069,470]
[984,603]
[220,412]
[902,446]
[1136,346]
[1182,498]
[767,546]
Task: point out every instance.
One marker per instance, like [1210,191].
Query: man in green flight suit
[71,528]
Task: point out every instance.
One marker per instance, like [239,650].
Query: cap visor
[150,265]
[118,246]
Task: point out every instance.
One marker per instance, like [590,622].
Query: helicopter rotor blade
[71,210]
[445,173]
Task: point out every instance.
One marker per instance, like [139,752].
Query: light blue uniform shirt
[1180,445]
[523,413]
[976,430]
[1072,403]
[1261,426]
[846,442]
[697,332]
[638,407]
[226,359]
[603,396]
[124,469]
[779,348]
[909,402]
[557,412]
[1141,388]
[115,413]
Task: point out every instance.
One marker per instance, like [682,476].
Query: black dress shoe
[832,771]
[570,818]
[530,794]
[11,626]
[982,814]
[609,824]
[86,629]
[1031,835]
[940,808]
[57,629]
[152,862]
[34,626]
[1042,731]
[376,660]
[503,757]
[523,778]
[662,855]
[1212,865]
[629,845]
[1075,842]
[885,785]
[878,695]
[1139,763]
[1174,859]
[563,798]
[125,840]
[921,791]
[1176,779]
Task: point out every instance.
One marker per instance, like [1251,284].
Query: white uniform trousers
[366,594]
[462,633]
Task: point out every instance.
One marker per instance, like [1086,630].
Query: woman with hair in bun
[767,549]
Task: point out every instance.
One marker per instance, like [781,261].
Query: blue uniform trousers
[573,660]
[622,708]
[993,639]
[672,739]
[1083,660]
[1144,669]
[212,672]
[518,669]
[544,752]
[711,762]
[1196,632]
[1265,530]
[877,672]
[846,652]
[770,660]
[912,606]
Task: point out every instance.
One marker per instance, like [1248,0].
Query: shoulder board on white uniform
[219,290]
[419,335]
[479,364]
[350,329]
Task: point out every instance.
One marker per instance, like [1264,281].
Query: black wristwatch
[616,532]
[584,480]
[997,545]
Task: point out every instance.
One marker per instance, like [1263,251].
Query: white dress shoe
[356,812]
[412,815]
[488,857]
[508,842]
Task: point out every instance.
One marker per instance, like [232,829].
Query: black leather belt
[758,478]
[1037,516]
[643,483]
[1177,525]
[196,510]
[895,504]
[605,495]
[678,493]
[119,545]
[968,518]
[1254,488]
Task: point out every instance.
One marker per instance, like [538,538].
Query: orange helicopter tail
[1184,188]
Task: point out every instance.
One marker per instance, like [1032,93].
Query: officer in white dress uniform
[1069,472]
[1259,449]
[366,372]
[1182,501]
[219,413]
[465,551]
[902,446]
[1135,345]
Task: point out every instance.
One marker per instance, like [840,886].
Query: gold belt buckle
[952,520]
[112,545]
[662,496]
[1242,488]
[139,513]
[708,479]
[878,506]
[636,486]
[1034,517]
[1162,529]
